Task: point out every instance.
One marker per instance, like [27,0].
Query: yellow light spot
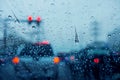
[15,60]
[56,60]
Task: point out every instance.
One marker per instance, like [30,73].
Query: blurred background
[60,19]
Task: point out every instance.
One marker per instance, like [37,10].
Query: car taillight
[96,60]
[72,58]
[56,60]
[15,60]
[43,43]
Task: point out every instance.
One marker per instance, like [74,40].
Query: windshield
[60,39]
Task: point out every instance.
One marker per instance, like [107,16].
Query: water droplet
[33,26]
[52,4]
[109,35]
[84,33]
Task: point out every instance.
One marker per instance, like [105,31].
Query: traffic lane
[64,72]
[7,72]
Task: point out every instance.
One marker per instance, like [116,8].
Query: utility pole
[5,36]
[95,30]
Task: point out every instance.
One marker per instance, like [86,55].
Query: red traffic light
[29,18]
[38,19]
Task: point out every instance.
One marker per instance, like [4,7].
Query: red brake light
[72,57]
[45,42]
[42,43]
[15,60]
[96,60]
[56,60]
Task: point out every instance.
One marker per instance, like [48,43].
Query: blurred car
[36,62]
[67,57]
[95,62]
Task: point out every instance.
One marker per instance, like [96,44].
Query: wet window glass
[59,39]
